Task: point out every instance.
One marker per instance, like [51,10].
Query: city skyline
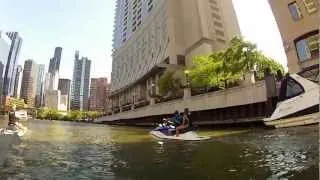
[98,35]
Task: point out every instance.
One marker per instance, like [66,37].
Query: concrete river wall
[240,104]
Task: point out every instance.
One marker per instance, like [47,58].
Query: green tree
[221,68]
[75,115]
[92,114]
[53,114]
[168,83]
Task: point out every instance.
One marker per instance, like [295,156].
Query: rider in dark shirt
[176,119]
[13,123]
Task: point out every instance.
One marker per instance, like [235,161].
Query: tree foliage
[19,103]
[222,68]
[53,114]
[169,83]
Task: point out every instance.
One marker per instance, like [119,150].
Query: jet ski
[298,101]
[167,131]
[19,132]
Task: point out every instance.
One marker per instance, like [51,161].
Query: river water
[65,150]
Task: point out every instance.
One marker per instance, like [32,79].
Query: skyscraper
[65,88]
[29,82]
[298,22]
[80,83]
[150,36]
[5,44]
[55,61]
[40,85]
[98,94]
[54,67]
[18,81]
[9,75]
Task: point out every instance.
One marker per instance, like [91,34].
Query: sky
[87,26]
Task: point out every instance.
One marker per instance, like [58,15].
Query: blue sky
[87,26]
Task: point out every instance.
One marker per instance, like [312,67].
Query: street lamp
[187,72]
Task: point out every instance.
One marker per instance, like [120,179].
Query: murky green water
[63,150]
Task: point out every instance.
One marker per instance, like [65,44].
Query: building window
[213,2]
[181,60]
[214,8]
[307,46]
[216,16]
[220,33]
[311,73]
[295,11]
[218,24]
[311,6]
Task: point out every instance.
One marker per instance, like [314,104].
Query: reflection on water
[63,150]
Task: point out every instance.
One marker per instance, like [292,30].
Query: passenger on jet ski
[185,123]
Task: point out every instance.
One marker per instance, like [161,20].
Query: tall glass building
[5,44]
[80,83]
[10,68]
[18,81]
[40,85]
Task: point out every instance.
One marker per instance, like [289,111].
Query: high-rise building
[65,88]
[54,67]
[152,35]
[40,85]
[5,44]
[80,83]
[298,22]
[18,81]
[9,75]
[54,64]
[54,100]
[98,94]
[29,82]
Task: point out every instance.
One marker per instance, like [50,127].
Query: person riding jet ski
[186,123]
[13,123]
[176,119]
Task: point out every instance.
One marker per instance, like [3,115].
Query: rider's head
[186,111]
[176,112]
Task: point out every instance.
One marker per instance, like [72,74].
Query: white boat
[298,102]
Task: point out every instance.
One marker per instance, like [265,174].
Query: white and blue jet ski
[167,131]
[6,131]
